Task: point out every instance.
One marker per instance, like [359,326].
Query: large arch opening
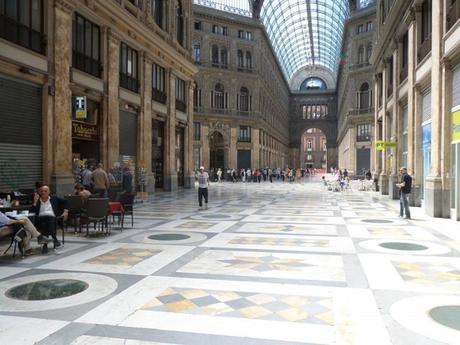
[217,151]
[313,149]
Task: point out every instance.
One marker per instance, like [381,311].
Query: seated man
[82,191]
[47,209]
[23,229]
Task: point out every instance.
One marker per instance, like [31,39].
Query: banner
[456,126]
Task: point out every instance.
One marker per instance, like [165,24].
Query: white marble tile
[95,340]
[280,242]
[394,232]
[211,226]
[15,330]
[79,262]
[10,271]
[268,265]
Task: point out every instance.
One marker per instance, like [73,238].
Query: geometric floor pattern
[266,264]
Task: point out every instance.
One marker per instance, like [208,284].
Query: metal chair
[96,212]
[75,206]
[127,200]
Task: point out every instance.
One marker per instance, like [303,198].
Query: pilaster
[146,123]
[383,179]
[205,146]
[62,178]
[395,129]
[188,138]
[232,152]
[255,148]
[170,179]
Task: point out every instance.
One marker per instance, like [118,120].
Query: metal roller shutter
[128,134]
[20,134]
[426,106]
[456,87]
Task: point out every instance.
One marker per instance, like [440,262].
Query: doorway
[217,151]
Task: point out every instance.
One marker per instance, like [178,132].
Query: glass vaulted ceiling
[240,7]
[305,32]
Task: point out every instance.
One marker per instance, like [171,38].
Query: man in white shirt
[203,183]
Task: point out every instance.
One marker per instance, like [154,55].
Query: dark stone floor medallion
[377,221]
[169,237]
[216,216]
[403,246]
[47,289]
[448,316]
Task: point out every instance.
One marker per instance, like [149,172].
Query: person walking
[203,184]
[405,187]
[100,181]
[219,175]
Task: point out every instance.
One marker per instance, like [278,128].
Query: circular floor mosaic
[448,316]
[402,246]
[435,317]
[47,289]
[53,291]
[405,247]
[377,221]
[170,237]
[216,216]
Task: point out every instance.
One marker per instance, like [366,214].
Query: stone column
[113,105]
[415,199]
[232,152]
[383,179]
[62,178]
[205,146]
[433,197]
[170,179]
[255,148]
[446,135]
[188,140]
[145,151]
[395,129]
[376,168]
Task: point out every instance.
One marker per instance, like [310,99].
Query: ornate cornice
[66,6]
[113,36]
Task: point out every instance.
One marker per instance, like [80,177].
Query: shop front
[128,143]
[426,139]
[85,134]
[180,156]
[455,147]
[158,152]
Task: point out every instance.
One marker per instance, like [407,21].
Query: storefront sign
[381,145]
[80,108]
[456,126]
[84,131]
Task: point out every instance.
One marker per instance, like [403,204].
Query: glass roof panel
[240,7]
[305,32]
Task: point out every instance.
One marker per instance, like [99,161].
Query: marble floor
[265,264]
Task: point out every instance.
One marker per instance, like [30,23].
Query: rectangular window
[309,145]
[244,134]
[158,12]
[369,26]
[129,78]
[215,29]
[198,25]
[196,131]
[360,28]
[159,84]
[21,22]
[197,98]
[196,53]
[180,95]
[225,31]
[363,132]
[86,46]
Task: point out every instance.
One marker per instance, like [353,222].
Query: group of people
[46,208]
[261,174]
[96,180]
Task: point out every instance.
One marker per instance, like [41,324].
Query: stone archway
[218,151]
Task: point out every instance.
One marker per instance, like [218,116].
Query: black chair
[74,205]
[16,240]
[55,222]
[96,212]
[127,200]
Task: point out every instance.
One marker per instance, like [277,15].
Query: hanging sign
[456,126]
[84,131]
[380,145]
[80,108]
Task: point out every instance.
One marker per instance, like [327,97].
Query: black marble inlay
[377,221]
[402,246]
[448,316]
[47,289]
[169,237]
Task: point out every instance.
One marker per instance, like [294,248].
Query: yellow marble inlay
[181,306]
[293,314]
[254,312]
[261,298]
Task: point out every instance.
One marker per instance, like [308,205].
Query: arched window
[244,100]
[197,96]
[180,27]
[215,56]
[248,60]
[313,83]
[158,9]
[224,58]
[364,96]
[219,97]
[360,55]
[368,52]
[240,60]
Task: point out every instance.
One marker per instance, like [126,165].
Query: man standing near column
[404,190]
[203,183]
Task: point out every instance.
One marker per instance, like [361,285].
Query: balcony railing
[159,96]
[366,111]
[226,112]
[181,106]
[86,64]
[129,83]
[453,14]
[245,69]
[15,32]
[424,49]
[244,139]
[364,137]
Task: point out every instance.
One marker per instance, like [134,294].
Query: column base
[393,191]
[170,183]
[415,198]
[150,189]
[63,184]
[383,183]
[189,181]
[433,196]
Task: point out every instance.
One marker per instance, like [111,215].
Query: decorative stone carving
[65,5]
